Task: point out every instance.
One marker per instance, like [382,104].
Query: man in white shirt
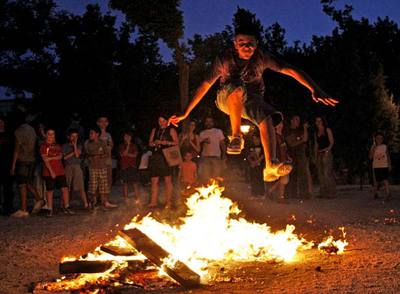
[212,141]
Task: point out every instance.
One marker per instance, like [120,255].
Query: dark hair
[126,132]
[46,129]
[95,128]
[324,121]
[248,30]
[72,131]
[379,133]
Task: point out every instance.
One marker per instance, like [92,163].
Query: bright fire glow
[332,246]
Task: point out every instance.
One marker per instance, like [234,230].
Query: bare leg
[387,191]
[24,193]
[33,191]
[235,106]
[154,191]
[168,190]
[268,140]
[49,197]
[84,198]
[136,190]
[65,195]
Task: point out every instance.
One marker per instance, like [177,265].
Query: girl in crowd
[189,140]
[324,141]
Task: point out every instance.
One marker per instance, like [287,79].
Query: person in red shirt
[53,172]
[128,153]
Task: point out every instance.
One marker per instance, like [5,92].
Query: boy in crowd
[53,172]
[98,152]
[23,166]
[102,123]
[128,152]
[72,152]
[188,170]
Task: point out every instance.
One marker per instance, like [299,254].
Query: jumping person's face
[209,123]
[50,136]
[245,46]
[295,122]
[162,122]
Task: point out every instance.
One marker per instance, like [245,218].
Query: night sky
[300,18]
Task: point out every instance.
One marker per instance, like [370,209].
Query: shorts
[24,172]
[158,166]
[56,183]
[255,109]
[381,174]
[74,176]
[98,179]
[129,175]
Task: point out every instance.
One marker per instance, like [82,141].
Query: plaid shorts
[255,109]
[98,179]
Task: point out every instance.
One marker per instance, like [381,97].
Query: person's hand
[175,120]
[12,171]
[207,140]
[306,125]
[157,142]
[320,96]
[53,175]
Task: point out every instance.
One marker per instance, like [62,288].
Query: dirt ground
[31,248]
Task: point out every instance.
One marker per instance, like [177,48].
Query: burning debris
[150,254]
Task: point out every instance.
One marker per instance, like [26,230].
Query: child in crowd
[72,152]
[128,152]
[381,165]
[187,173]
[53,172]
[255,159]
[98,152]
[103,123]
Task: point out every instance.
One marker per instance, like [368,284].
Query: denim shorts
[255,109]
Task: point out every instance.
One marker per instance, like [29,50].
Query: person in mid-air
[241,95]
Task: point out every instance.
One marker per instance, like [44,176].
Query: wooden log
[118,251]
[180,272]
[84,266]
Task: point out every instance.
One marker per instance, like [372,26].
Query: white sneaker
[20,213]
[38,206]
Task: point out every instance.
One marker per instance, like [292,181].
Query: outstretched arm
[317,94]
[200,93]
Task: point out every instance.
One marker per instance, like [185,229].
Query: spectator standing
[212,141]
[297,137]
[129,153]
[72,152]
[323,153]
[161,137]
[255,158]
[76,125]
[53,172]
[98,153]
[187,171]
[283,156]
[6,183]
[105,136]
[381,165]
[23,166]
[189,140]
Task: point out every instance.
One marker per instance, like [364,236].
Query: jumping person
[241,95]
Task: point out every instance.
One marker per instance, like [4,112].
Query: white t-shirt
[380,159]
[212,148]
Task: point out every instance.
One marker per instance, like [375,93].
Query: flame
[332,246]
[212,230]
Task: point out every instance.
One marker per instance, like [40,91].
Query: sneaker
[276,170]
[235,146]
[38,206]
[110,205]
[20,213]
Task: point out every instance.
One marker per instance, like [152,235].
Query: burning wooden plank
[118,251]
[84,266]
[179,272]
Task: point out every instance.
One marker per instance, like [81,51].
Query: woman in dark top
[323,145]
[161,137]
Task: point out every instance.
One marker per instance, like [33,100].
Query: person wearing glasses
[241,95]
